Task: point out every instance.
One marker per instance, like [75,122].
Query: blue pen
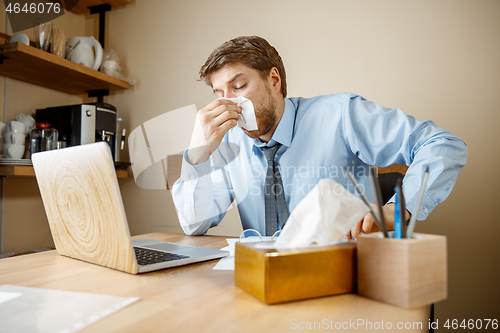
[397,217]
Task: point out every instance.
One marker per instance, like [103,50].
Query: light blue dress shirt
[319,136]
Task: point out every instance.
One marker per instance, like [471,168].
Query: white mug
[13,151]
[15,138]
[15,126]
[27,120]
[2,128]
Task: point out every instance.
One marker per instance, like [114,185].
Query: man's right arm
[203,193]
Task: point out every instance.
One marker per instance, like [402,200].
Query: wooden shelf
[82,6]
[29,64]
[22,170]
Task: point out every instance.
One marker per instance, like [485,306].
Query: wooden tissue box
[405,272]
[287,275]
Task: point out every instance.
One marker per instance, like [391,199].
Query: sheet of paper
[6,296]
[227,263]
[35,310]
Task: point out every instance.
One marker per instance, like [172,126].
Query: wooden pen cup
[405,272]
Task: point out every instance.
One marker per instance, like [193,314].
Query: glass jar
[43,138]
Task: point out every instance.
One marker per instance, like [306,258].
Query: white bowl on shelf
[20,37]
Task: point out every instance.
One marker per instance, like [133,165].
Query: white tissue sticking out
[324,216]
[247,118]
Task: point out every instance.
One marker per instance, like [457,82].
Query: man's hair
[252,51]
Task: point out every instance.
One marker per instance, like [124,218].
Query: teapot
[79,50]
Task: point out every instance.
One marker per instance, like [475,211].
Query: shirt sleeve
[381,136]
[202,194]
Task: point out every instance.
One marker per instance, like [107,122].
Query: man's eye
[240,87]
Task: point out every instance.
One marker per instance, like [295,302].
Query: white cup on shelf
[15,138]
[13,151]
[15,126]
[27,120]
[2,127]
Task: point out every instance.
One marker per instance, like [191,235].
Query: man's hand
[368,225]
[212,123]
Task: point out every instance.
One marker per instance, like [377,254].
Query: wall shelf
[24,170]
[29,64]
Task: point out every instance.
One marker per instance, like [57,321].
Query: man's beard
[266,117]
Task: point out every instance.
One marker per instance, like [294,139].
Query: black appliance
[85,123]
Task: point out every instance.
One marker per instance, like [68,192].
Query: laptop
[87,220]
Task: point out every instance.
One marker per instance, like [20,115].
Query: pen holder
[405,272]
[275,276]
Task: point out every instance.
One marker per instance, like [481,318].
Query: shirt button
[426,210]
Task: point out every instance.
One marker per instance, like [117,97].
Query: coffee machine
[85,123]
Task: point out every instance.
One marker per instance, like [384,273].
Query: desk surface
[195,298]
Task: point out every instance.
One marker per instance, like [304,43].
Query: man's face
[235,80]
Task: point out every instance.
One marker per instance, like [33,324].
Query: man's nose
[230,94]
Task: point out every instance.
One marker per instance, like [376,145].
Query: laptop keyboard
[149,257]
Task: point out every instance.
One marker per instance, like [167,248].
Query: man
[298,142]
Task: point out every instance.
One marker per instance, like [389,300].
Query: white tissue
[247,118]
[324,216]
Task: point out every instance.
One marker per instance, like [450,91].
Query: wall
[433,59]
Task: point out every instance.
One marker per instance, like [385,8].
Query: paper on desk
[42,310]
[227,263]
[6,296]
[247,118]
[324,216]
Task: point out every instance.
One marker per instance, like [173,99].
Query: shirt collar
[284,132]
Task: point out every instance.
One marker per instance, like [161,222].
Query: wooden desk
[194,298]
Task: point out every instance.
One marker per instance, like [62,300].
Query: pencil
[413,219]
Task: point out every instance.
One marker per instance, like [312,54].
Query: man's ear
[274,79]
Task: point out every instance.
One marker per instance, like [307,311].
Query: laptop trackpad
[155,244]
[165,246]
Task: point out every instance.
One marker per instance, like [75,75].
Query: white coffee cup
[13,151]
[27,120]
[15,138]
[15,126]
[2,128]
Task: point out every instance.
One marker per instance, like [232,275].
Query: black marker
[378,195]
